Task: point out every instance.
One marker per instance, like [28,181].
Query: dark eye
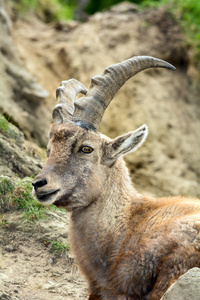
[86,149]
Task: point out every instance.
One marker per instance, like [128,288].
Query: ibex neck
[104,220]
[118,187]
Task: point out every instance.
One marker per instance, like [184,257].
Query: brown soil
[28,270]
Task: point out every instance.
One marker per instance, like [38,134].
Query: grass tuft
[58,247]
[22,196]
[32,210]
[18,195]
[5,126]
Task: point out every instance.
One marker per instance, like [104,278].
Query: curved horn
[66,94]
[89,110]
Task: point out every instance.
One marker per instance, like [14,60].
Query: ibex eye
[86,149]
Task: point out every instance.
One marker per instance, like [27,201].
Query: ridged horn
[66,94]
[89,110]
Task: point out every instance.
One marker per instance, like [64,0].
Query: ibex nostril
[39,183]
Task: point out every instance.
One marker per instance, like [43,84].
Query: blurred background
[43,42]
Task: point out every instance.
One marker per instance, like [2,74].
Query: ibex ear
[124,144]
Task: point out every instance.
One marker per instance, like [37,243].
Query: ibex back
[128,246]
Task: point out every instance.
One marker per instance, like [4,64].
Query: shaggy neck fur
[104,220]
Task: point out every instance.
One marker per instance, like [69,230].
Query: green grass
[18,196]
[187,13]
[22,196]
[58,248]
[5,126]
[48,10]
[6,185]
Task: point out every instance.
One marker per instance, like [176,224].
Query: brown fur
[126,244]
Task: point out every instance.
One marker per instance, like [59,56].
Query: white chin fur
[47,202]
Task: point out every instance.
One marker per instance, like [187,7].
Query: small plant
[18,195]
[6,185]
[57,209]
[22,196]
[57,247]
[6,188]
[5,126]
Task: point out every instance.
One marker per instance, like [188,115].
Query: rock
[187,287]
[3,277]
[35,92]
[18,158]
[5,296]
[50,285]
[19,90]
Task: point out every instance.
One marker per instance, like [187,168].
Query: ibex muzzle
[126,244]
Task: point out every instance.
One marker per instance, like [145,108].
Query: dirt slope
[28,271]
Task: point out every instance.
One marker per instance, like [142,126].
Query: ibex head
[80,160]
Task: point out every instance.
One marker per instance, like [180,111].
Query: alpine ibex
[127,245]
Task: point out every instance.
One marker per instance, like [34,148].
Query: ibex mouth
[45,196]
